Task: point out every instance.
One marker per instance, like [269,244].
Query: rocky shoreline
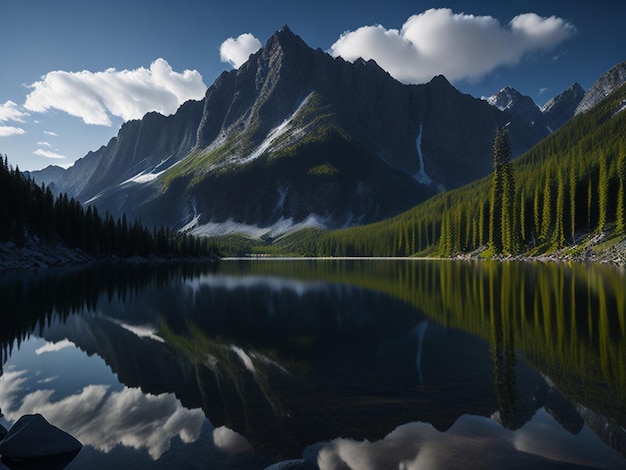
[591,249]
[35,255]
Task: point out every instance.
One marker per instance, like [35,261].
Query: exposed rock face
[146,145]
[608,82]
[561,108]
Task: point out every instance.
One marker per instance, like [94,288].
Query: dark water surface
[353,364]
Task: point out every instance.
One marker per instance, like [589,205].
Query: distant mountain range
[297,138]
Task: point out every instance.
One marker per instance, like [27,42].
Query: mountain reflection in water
[351,364]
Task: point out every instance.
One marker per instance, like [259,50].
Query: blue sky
[72,71]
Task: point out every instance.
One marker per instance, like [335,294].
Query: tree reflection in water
[287,354]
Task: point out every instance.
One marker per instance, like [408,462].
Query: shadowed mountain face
[294,136]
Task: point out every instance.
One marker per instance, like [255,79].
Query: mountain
[608,82]
[526,116]
[560,109]
[567,200]
[292,138]
[511,100]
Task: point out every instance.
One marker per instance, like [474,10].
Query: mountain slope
[608,82]
[561,108]
[569,195]
[294,136]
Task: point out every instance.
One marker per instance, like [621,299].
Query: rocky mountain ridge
[608,82]
[295,138]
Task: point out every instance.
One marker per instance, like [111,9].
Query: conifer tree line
[29,211]
[571,184]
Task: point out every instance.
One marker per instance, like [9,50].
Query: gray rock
[32,437]
[608,82]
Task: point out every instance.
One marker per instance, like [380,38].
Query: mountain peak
[285,38]
[440,80]
[561,108]
[507,98]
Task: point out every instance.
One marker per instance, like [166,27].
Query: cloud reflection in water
[473,440]
[104,419]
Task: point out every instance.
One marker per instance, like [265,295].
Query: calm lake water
[353,364]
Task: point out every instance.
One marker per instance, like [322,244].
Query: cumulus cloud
[229,440]
[6,131]
[44,143]
[105,419]
[459,46]
[473,439]
[129,94]
[9,111]
[236,51]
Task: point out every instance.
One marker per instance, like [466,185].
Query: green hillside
[567,188]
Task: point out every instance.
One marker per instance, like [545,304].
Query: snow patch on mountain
[92,200]
[195,218]
[275,133]
[147,176]
[141,331]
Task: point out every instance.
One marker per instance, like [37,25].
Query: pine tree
[503,232]
[573,179]
[620,215]
[603,195]
[546,213]
[558,236]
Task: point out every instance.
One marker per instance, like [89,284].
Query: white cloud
[129,94]
[459,46]
[44,144]
[236,51]
[6,131]
[105,419]
[55,156]
[53,134]
[65,343]
[10,112]
[473,439]
[230,441]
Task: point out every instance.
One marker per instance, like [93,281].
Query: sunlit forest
[569,186]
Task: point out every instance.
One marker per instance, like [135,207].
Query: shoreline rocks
[32,442]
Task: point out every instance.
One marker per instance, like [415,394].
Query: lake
[351,364]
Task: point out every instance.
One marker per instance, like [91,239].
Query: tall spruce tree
[620,214]
[503,233]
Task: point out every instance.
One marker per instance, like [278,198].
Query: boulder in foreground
[32,439]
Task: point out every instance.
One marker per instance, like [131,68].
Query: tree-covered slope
[31,215]
[569,185]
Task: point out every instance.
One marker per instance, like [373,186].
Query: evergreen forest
[567,189]
[30,213]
